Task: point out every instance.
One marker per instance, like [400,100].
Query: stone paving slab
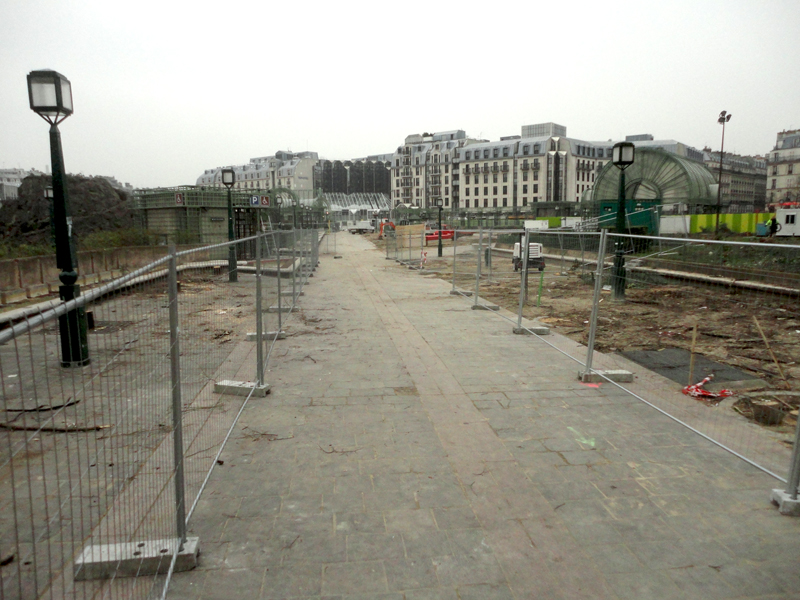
[421,451]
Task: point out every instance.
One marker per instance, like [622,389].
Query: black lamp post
[50,96]
[724,117]
[622,156]
[228,179]
[294,213]
[48,198]
[440,205]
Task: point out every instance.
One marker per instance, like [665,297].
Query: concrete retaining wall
[36,276]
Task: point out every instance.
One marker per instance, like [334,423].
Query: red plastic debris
[698,391]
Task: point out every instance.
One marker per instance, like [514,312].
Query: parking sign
[253,200]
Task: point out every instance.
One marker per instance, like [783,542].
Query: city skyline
[162,94]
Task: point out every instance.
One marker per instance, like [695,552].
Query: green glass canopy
[658,175]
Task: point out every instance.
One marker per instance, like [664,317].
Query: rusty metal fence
[102,466]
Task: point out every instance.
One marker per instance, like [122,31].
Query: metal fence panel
[114,455]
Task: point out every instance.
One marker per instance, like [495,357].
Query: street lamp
[724,117]
[622,155]
[50,96]
[439,204]
[228,179]
[278,202]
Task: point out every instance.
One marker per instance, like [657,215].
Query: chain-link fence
[704,331]
[102,463]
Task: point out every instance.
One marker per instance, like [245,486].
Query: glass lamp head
[50,95]
[622,154]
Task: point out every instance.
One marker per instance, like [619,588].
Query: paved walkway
[415,449]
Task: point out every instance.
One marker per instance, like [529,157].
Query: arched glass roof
[658,175]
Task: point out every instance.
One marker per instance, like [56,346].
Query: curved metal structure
[658,175]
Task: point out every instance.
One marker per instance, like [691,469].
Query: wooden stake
[691,358]
[771,353]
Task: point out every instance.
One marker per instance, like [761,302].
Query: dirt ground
[655,317]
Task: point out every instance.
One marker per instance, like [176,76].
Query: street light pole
[228,179]
[50,96]
[622,155]
[724,117]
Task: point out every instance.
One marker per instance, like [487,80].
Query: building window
[505,202]
[447,179]
[416,160]
[505,153]
[494,178]
[775,170]
[486,153]
[495,152]
[466,191]
[525,189]
[476,191]
[494,190]
[524,201]
[789,219]
[468,154]
[485,191]
[466,179]
[485,179]
[524,176]
[774,183]
[525,149]
[505,177]
[505,189]
[535,188]
[447,191]
[790,169]
[466,203]
[485,203]
[494,202]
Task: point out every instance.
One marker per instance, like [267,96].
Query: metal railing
[102,467]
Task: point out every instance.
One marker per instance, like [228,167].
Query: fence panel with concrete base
[691,310]
[102,465]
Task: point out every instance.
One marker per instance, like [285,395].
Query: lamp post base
[73,331]
[233,272]
[619,273]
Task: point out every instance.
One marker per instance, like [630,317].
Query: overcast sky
[164,90]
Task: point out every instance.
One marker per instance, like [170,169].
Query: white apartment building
[783,168]
[423,169]
[541,165]
[291,170]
